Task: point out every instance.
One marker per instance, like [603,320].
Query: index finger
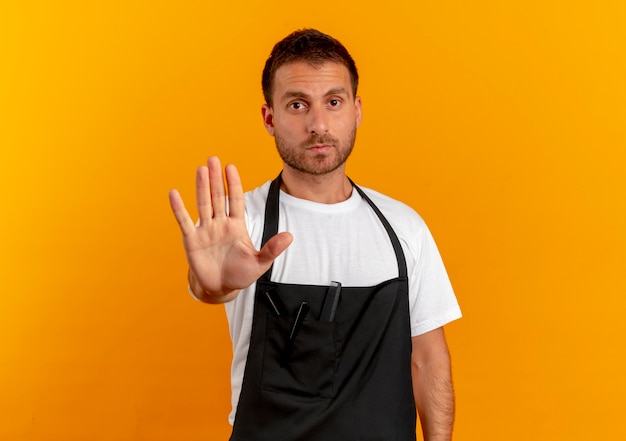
[236,205]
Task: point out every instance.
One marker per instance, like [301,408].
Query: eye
[296,105]
[334,102]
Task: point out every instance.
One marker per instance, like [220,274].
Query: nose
[317,120]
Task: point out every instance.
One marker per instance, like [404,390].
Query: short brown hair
[311,46]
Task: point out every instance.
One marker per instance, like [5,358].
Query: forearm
[204,296]
[434,397]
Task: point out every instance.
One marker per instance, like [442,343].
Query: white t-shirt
[344,242]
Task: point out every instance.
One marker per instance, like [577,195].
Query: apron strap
[270,227]
[397,247]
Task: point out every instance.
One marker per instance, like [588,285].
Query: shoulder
[255,199]
[400,215]
[408,225]
[255,211]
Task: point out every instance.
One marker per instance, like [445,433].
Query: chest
[352,247]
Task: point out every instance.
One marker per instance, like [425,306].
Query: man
[337,320]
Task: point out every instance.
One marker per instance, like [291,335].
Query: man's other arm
[432,385]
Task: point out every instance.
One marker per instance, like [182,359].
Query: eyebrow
[299,94]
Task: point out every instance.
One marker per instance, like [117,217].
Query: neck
[329,188]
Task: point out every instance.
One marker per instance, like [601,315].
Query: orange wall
[502,123]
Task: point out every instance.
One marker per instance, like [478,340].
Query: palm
[219,250]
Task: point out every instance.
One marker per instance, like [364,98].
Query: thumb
[274,247]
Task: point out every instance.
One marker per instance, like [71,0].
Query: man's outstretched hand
[222,259]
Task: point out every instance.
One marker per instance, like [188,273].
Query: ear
[359,111]
[268,118]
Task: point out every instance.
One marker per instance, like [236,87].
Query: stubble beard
[297,157]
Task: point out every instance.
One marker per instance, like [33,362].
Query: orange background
[502,123]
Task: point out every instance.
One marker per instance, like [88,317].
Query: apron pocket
[309,369]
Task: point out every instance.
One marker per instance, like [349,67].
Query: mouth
[320,148]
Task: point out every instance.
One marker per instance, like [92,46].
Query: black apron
[346,379]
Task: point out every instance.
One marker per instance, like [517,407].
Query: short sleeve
[432,300]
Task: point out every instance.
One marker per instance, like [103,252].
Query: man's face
[314,116]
